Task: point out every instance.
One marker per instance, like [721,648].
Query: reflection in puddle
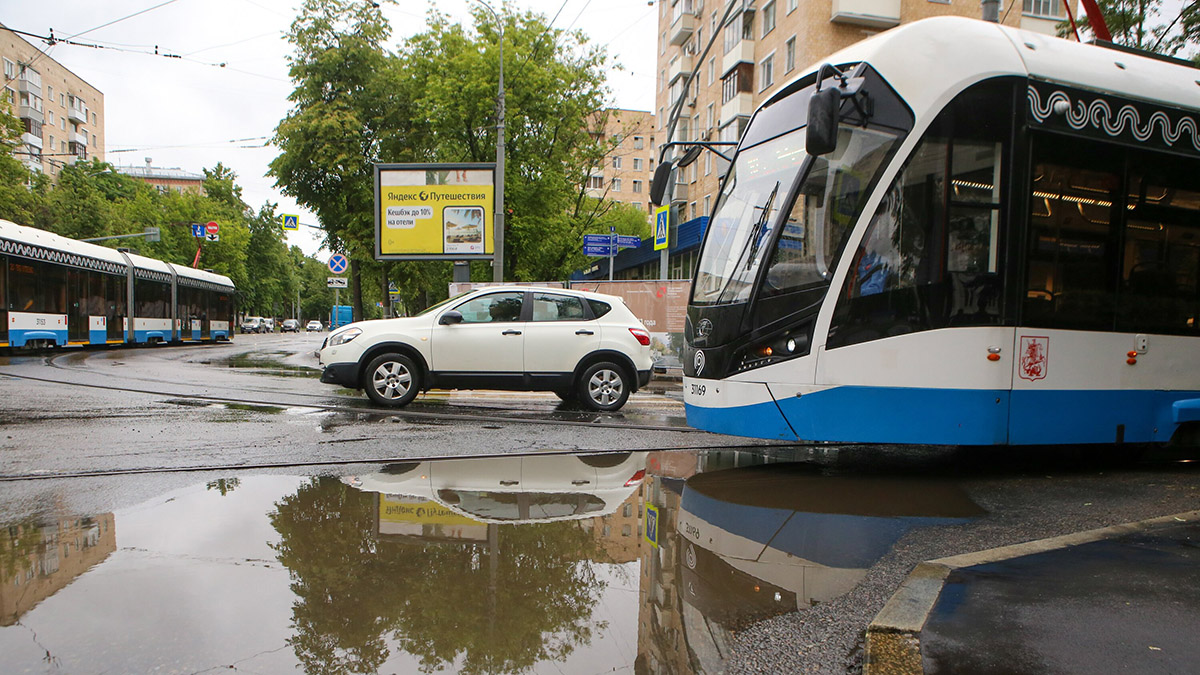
[535,563]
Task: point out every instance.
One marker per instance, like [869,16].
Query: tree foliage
[1172,29]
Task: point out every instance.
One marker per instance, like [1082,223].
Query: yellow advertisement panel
[401,509]
[432,210]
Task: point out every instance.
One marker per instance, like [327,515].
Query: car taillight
[642,335]
[637,478]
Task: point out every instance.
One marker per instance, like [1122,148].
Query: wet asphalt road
[159,422]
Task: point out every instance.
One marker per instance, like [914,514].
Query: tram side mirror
[824,108]
[658,186]
[452,317]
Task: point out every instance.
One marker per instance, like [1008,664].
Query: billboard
[434,211]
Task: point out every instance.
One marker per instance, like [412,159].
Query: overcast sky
[191,113]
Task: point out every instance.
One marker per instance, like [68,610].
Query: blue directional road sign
[197,230]
[338,263]
[597,240]
[597,251]
[624,241]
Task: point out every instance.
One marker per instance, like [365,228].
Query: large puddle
[523,563]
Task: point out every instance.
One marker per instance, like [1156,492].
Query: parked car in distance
[314,325]
[252,324]
[577,344]
[290,326]
[268,325]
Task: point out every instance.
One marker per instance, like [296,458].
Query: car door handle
[511,332]
[508,483]
[584,331]
[580,482]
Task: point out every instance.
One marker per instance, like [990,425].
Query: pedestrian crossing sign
[291,222]
[662,226]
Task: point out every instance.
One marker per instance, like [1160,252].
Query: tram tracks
[321,402]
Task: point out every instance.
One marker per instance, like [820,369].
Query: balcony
[741,105]
[77,149]
[681,193]
[742,53]
[32,140]
[28,112]
[77,110]
[681,66]
[682,28]
[871,13]
[79,138]
[30,82]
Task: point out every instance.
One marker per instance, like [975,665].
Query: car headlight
[344,336]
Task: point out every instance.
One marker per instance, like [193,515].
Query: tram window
[1161,254]
[37,287]
[153,299]
[930,255]
[1071,270]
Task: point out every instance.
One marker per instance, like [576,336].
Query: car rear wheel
[392,380]
[604,386]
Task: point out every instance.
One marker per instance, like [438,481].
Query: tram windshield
[823,210]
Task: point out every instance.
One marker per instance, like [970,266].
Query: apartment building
[762,46]
[164,179]
[62,115]
[626,173]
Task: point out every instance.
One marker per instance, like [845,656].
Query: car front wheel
[604,387]
[392,380]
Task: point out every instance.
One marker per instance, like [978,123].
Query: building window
[616,162]
[789,55]
[637,205]
[638,142]
[707,204]
[712,70]
[1047,8]
[50,117]
[616,185]
[768,15]
[637,163]
[766,72]
[791,5]
[50,93]
[93,119]
[595,182]
[10,70]
[707,163]
[637,187]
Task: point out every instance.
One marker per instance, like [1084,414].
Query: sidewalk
[1118,599]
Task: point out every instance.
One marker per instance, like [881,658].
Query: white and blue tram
[58,291]
[957,233]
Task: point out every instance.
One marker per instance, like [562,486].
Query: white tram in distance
[958,233]
[58,291]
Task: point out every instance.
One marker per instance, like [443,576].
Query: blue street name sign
[624,241]
[596,239]
[597,251]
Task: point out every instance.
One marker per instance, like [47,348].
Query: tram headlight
[771,350]
[344,336]
[791,345]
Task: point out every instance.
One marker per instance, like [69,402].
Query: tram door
[77,310]
[3,300]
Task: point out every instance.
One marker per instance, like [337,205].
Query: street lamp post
[498,227]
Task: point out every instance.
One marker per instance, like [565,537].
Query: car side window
[492,308]
[552,307]
[599,308]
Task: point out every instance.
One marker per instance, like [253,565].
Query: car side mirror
[824,108]
[451,317]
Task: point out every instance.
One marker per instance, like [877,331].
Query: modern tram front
[947,239]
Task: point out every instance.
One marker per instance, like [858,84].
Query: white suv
[577,344]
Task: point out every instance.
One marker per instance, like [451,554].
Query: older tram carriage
[999,243]
[57,291]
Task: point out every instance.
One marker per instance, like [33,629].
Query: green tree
[554,86]
[19,198]
[346,102]
[1152,25]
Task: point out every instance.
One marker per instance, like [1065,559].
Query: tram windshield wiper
[759,231]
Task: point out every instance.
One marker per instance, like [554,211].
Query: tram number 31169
[697,390]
